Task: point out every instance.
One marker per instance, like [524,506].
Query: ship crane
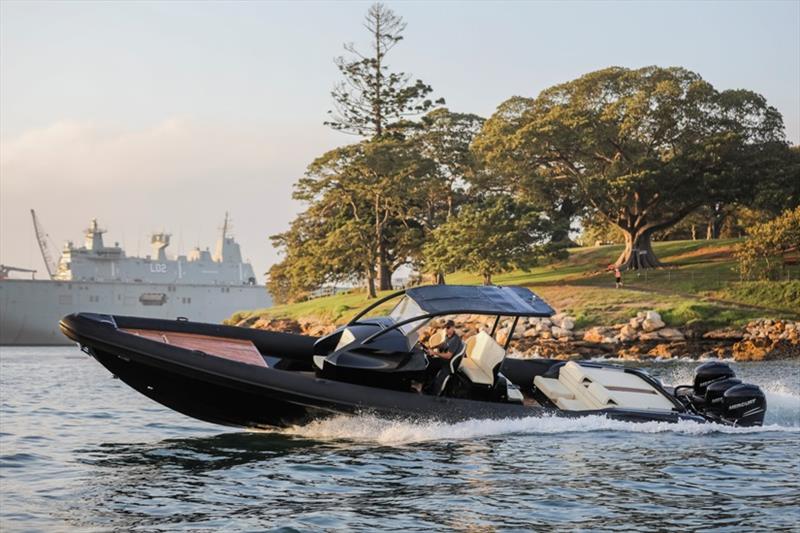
[41,237]
[5,270]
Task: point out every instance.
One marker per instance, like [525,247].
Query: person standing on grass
[617,277]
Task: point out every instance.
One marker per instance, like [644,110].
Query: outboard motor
[714,394]
[708,373]
[744,405]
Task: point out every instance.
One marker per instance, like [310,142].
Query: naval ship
[103,279]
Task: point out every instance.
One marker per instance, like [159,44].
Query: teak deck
[240,350]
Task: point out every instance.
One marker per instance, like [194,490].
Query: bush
[762,254]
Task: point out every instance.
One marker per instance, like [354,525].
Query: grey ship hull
[31,309]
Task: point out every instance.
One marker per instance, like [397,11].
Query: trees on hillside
[643,148]
[616,152]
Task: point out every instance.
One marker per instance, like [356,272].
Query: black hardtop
[479,300]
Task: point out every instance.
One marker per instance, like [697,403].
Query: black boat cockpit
[385,351]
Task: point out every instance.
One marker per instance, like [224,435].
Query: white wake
[366,428]
[783,415]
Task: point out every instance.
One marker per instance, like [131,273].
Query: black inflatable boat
[252,378]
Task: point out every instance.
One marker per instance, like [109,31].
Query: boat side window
[404,310]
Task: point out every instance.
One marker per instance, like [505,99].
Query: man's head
[450,327]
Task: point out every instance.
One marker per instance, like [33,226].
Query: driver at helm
[451,345]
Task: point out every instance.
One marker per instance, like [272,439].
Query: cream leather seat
[483,354]
[437,338]
[470,344]
[586,388]
[552,388]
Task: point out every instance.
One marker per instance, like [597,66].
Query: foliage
[371,205]
[782,192]
[373,101]
[360,194]
[495,235]
[319,248]
[644,148]
[595,229]
[509,168]
[761,254]
[443,138]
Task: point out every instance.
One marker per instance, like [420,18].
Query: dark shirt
[451,344]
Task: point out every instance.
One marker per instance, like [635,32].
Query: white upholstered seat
[437,338]
[552,388]
[600,388]
[470,344]
[482,356]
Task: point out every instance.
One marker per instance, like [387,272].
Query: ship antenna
[42,237]
[225,227]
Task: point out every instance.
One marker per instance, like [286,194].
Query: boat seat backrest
[470,344]
[482,358]
[437,338]
[486,352]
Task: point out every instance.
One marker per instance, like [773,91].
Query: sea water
[80,450]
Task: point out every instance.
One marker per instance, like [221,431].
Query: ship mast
[41,237]
[225,227]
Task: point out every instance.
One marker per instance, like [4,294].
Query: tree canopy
[763,252]
[493,235]
[373,101]
[642,148]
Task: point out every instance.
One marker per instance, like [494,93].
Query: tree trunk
[487,278]
[384,272]
[562,219]
[638,251]
[440,278]
[371,284]
[715,227]
[694,232]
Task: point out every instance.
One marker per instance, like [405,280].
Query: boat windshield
[406,309]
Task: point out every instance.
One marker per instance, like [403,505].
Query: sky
[158,116]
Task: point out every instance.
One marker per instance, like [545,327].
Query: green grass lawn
[699,286]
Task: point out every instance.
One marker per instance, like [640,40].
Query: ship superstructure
[94,261]
[98,278]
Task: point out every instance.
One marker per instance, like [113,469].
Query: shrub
[762,254]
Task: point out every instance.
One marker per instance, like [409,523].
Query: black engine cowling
[714,400]
[744,405]
[708,373]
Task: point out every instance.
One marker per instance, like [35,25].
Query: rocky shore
[644,337]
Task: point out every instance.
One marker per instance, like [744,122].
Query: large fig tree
[644,148]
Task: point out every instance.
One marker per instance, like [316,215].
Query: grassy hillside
[701,286]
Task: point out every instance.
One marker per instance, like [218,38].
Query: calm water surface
[81,451]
